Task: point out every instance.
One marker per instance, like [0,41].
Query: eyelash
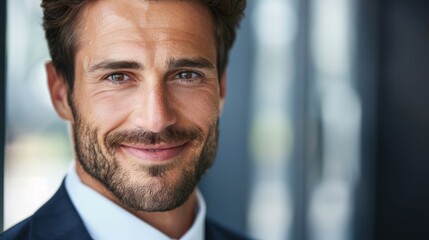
[195,76]
[125,77]
[121,74]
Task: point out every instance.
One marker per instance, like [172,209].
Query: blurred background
[325,135]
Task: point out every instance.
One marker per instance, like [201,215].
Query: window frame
[3,101]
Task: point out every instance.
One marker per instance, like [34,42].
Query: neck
[174,223]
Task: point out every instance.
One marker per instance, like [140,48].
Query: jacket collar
[58,219]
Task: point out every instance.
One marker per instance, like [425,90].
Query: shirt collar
[106,220]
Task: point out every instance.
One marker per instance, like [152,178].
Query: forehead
[147,13]
[111,23]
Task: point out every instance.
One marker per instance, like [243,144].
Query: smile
[154,153]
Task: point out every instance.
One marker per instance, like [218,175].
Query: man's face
[146,99]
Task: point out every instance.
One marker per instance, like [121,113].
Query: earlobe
[222,91]
[58,90]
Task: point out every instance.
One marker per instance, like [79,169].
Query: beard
[141,187]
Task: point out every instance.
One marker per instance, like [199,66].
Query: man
[142,84]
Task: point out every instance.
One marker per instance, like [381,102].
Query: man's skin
[149,66]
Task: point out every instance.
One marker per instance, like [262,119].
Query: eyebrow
[116,65]
[172,64]
[191,63]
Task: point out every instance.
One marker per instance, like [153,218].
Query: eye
[118,78]
[188,76]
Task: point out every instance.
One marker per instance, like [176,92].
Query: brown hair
[60,19]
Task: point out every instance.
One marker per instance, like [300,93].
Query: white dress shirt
[105,220]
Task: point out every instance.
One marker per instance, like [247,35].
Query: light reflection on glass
[37,151]
[271,207]
[331,201]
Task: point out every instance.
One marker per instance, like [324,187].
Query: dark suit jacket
[58,219]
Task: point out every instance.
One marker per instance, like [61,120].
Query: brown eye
[188,75]
[118,77]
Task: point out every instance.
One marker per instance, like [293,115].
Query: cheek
[202,107]
[105,112]
[108,111]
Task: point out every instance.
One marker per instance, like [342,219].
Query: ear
[222,91]
[58,90]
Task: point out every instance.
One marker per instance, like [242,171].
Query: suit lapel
[58,219]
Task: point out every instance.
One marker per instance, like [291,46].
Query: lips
[155,153]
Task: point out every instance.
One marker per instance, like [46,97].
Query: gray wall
[402,182]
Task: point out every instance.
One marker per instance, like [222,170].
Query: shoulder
[19,231]
[216,231]
[56,219]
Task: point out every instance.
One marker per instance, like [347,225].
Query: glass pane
[37,149]
[330,207]
[271,206]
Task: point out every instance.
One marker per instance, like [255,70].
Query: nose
[155,111]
